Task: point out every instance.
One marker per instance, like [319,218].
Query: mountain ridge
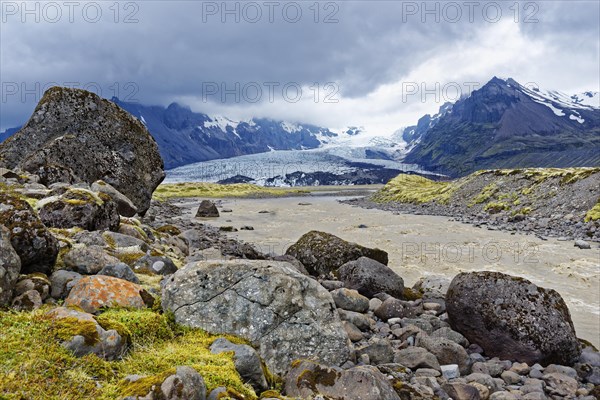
[506,125]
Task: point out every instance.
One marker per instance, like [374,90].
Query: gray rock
[76,136]
[503,396]
[247,363]
[374,304]
[350,300]
[308,379]
[28,301]
[332,284]
[447,352]
[485,380]
[511,378]
[461,391]
[125,207]
[354,334]
[361,321]
[61,283]
[416,357]
[117,241]
[155,265]
[185,384]
[561,369]
[120,270]
[558,384]
[10,267]
[370,277]
[450,371]
[391,308]
[207,209]
[107,344]
[88,260]
[38,282]
[219,392]
[432,286]
[379,351]
[511,318]
[322,253]
[285,314]
[80,208]
[448,333]
[36,246]
[582,244]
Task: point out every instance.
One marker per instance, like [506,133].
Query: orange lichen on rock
[94,292]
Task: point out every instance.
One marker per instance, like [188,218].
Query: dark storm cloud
[156,51]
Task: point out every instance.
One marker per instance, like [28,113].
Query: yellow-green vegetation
[494,207]
[504,189]
[594,213]
[416,190]
[34,365]
[215,190]
[485,194]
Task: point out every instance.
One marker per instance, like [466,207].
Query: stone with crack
[284,314]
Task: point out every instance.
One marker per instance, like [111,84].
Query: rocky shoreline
[105,297]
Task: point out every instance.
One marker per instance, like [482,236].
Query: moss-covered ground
[215,190]
[494,195]
[34,365]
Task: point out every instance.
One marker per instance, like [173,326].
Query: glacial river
[421,245]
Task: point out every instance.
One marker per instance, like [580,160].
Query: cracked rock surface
[283,313]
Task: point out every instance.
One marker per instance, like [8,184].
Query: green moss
[496,207]
[129,258]
[215,190]
[410,294]
[594,213]
[33,364]
[145,385]
[485,194]
[64,329]
[169,229]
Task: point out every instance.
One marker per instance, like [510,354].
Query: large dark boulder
[322,253]
[207,209]
[511,318]
[370,277]
[283,313]
[76,136]
[36,246]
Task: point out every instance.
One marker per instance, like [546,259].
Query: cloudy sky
[377,64]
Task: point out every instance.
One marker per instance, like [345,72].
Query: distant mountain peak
[506,124]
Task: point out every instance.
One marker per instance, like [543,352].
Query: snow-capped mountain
[186,137]
[505,125]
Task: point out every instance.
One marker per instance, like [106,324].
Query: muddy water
[428,245]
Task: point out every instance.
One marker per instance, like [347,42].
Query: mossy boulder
[512,318]
[10,267]
[308,379]
[76,135]
[88,260]
[80,333]
[178,383]
[36,246]
[322,253]
[125,207]
[80,208]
